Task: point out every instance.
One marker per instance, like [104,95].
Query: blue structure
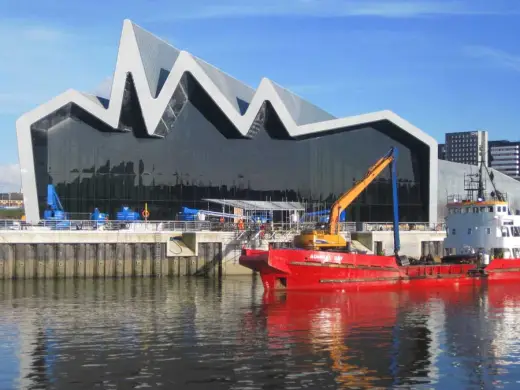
[55,212]
[397,243]
[99,217]
[127,214]
[188,214]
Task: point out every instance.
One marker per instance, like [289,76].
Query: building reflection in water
[211,334]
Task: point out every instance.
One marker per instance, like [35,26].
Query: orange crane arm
[348,197]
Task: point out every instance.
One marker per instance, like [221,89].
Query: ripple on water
[201,334]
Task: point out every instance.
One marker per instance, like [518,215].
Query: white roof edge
[129,62]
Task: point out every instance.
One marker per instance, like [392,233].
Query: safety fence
[196,226]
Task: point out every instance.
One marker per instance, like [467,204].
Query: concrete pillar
[40,261]
[191,265]
[99,270]
[2,261]
[212,260]
[80,256]
[110,260]
[164,260]
[174,265]
[30,261]
[137,268]
[147,260]
[61,263]
[156,262]
[19,261]
[119,258]
[90,260]
[8,261]
[70,260]
[218,254]
[128,259]
[50,261]
[201,260]
[159,266]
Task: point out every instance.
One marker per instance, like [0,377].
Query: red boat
[323,270]
[323,260]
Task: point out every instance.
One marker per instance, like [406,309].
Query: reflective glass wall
[92,168]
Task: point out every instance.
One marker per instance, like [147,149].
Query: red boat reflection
[372,337]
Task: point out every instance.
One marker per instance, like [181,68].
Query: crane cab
[320,240]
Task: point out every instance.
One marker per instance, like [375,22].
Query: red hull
[295,269]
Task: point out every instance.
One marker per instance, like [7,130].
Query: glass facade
[91,166]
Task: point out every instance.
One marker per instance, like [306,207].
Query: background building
[505,157]
[468,147]
[442,151]
[11,200]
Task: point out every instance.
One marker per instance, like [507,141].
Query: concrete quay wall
[108,254]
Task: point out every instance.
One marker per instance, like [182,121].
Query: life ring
[145,213]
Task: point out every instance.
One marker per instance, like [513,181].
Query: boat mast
[480,193]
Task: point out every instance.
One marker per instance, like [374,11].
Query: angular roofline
[129,61]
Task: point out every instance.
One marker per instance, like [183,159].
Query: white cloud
[495,56]
[205,9]
[10,178]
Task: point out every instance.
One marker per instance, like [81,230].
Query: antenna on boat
[496,194]
[480,194]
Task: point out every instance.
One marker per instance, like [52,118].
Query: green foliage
[11,213]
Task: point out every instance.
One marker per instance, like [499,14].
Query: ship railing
[404,226]
[459,198]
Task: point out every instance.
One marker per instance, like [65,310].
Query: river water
[209,334]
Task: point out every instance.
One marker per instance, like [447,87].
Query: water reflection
[200,334]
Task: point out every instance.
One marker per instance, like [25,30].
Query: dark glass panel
[92,168]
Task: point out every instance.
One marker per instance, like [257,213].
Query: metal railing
[195,226]
[403,226]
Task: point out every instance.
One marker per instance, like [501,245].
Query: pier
[167,249]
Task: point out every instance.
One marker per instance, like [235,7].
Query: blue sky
[444,65]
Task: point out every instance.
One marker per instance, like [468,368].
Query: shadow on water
[200,333]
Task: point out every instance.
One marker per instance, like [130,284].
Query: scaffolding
[261,212]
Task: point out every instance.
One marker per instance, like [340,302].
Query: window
[505,231]
[453,232]
[515,230]
[469,230]
[488,230]
[490,209]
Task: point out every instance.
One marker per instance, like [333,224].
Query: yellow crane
[329,238]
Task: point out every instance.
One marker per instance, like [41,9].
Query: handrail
[194,226]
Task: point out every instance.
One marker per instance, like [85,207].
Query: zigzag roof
[156,71]
[157,68]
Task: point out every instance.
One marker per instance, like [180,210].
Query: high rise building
[504,156]
[467,147]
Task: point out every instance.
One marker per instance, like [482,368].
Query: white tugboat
[480,226]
